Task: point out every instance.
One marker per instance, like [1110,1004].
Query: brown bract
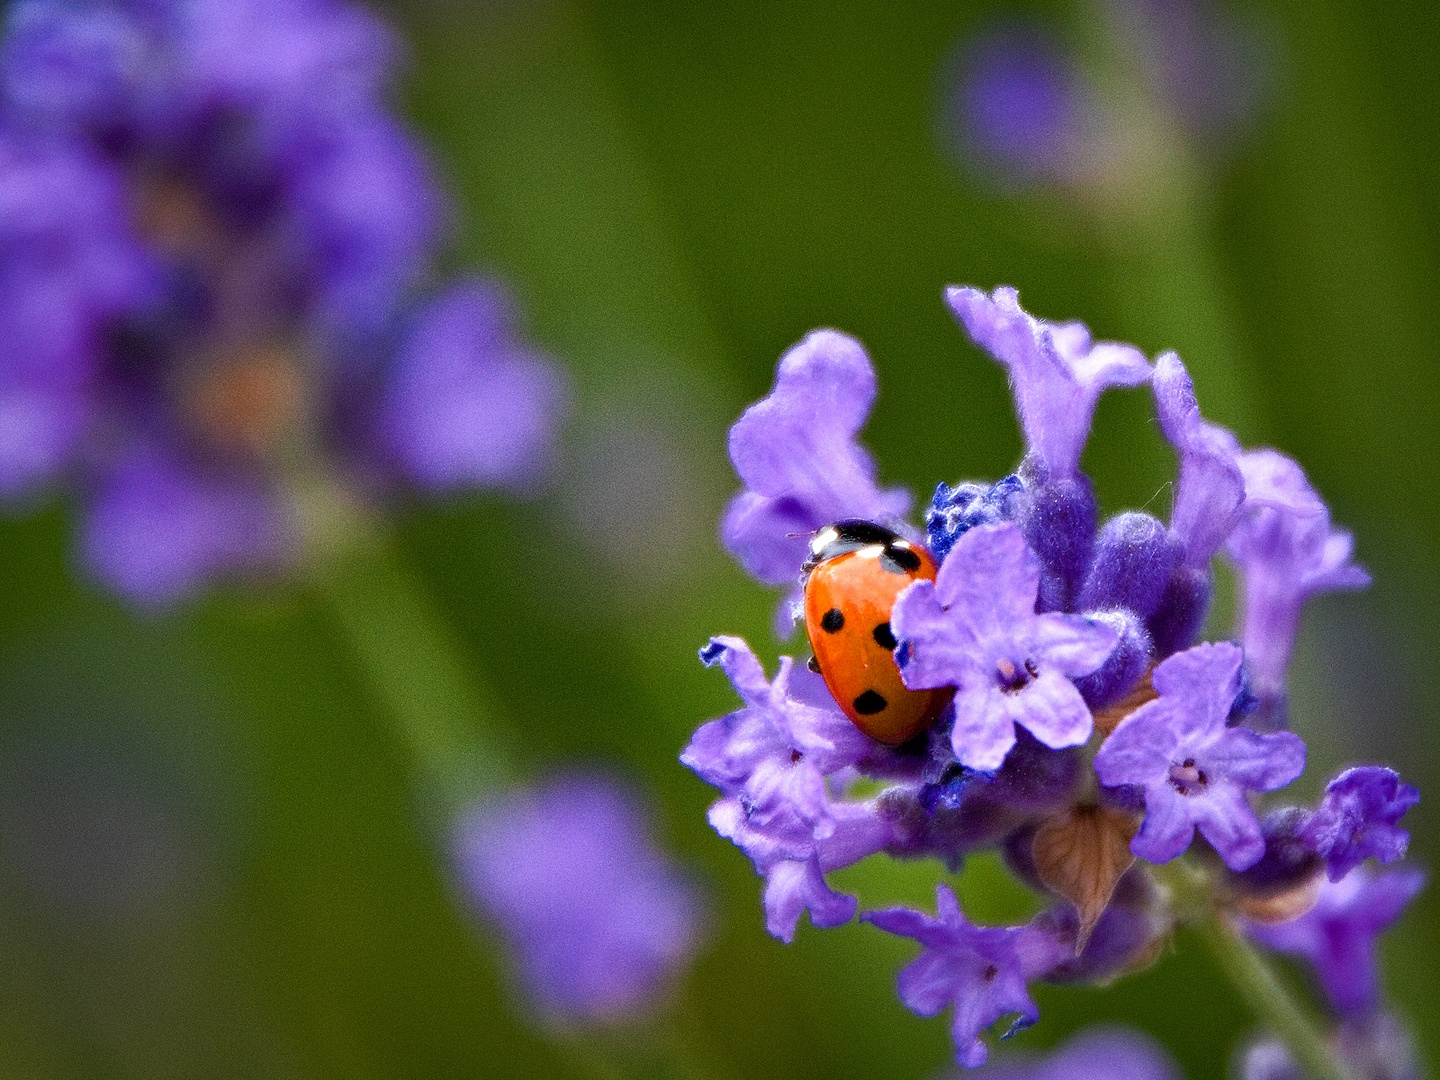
[1108,718]
[1082,854]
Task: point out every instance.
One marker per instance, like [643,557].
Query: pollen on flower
[1187,778]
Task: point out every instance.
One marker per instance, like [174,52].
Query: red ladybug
[854,573]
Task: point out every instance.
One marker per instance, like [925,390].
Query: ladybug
[855,571]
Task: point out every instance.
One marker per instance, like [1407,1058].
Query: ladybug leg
[813,664]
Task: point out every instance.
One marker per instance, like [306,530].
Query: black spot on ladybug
[900,560]
[813,665]
[833,621]
[883,636]
[869,703]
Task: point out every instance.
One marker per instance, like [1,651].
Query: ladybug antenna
[793,536]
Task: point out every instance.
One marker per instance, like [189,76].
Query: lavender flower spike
[1338,934]
[980,970]
[1056,371]
[598,919]
[975,629]
[1287,552]
[1096,1053]
[1194,769]
[216,237]
[1359,817]
[796,452]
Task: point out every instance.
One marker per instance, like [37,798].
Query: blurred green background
[213,860]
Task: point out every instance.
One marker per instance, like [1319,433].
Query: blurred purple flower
[981,971]
[598,919]
[1193,767]
[1359,818]
[1338,935]
[1287,552]
[1377,1047]
[796,452]
[467,404]
[1019,109]
[975,628]
[213,235]
[1095,1053]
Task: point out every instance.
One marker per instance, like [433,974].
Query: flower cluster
[598,920]
[1092,738]
[218,313]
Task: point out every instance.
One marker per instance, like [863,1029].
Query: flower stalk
[1255,980]
[417,671]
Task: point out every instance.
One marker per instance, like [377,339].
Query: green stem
[1251,974]
[419,673]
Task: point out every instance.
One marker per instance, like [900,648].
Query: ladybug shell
[848,599]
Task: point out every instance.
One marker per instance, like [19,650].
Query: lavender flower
[1208,498]
[770,760]
[1193,767]
[1337,936]
[797,455]
[981,971]
[1056,371]
[1096,1053]
[1359,817]
[214,235]
[598,919]
[1287,552]
[975,628]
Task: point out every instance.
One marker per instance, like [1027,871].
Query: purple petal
[1142,746]
[1226,819]
[795,887]
[1073,644]
[741,666]
[157,530]
[1207,676]
[991,576]
[796,452]
[1167,829]
[1338,935]
[1052,710]
[39,430]
[467,405]
[770,537]
[984,728]
[939,649]
[598,918]
[1056,373]
[1287,552]
[1210,490]
[1258,762]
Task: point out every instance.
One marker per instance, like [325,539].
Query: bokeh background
[213,857]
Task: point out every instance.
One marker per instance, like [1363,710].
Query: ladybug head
[852,535]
